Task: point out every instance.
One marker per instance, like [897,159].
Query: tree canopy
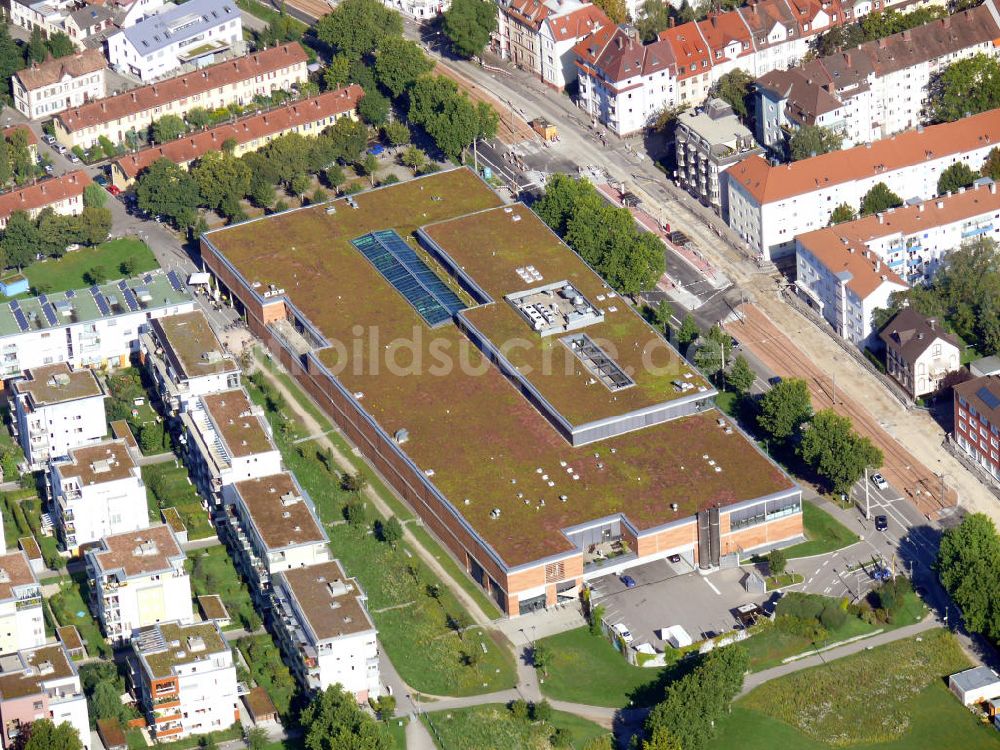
[42,734]
[879,198]
[968,558]
[468,24]
[842,213]
[837,453]
[958,175]
[714,352]
[356,27]
[735,88]
[784,408]
[966,87]
[399,63]
[333,721]
[814,140]
[168,128]
[167,189]
[741,376]
[449,116]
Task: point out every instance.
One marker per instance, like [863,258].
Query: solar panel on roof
[70,294]
[174,281]
[130,299]
[988,397]
[102,304]
[410,276]
[50,314]
[147,278]
[22,322]
[15,305]
[95,290]
[43,299]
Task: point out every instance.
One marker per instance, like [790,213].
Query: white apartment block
[186,360]
[919,353]
[196,33]
[54,85]
[237,80]
[419,10]
[184,679]
[95,327]
[81,22]
[770,205]
[324,627]
[41,683]
[98,491]
[876,89]
[55,410]
[22,624]
[272,527]
[138,579]
[226,440]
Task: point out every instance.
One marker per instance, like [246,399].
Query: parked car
[49,139]
[775,380]
[48,169]
[114,190]
[879,481]
[61,149]
[74,158]
[101,180]
[674,559]
[623,632]
[881,523]
[629,582]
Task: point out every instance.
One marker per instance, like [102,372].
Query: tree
[879,198]
[374,108]
[42,734]
[94,225]
[396,133]
[654,17]
[221,177]
[661,739]
[367,165]
[333,721]
[94,196]
[468,24]
[616,10]
[667,118]
[776,562]
[448,115]
[56,232]
[734,88]
[257,739]
[20,240]
[813,140]
[392,531]
[784,408]
[60,45]
[991,167]
[335,176]
[106,702]
[169,190]
[347,139]
[688,332]
[6,168]
[198,118]
[356,27]
[519,709]
[541,658]
[965,87]
[842,213]
[337,73]
[967,561]
[713,352]
[36,51]
[399,63]
[414,158]
[11,60]
[542,710]
[958,175]
[168,128]
[837,453]
[741,376]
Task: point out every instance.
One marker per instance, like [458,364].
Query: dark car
[881,523]
[674,559]
[101,180]
[775,380]
[629,582]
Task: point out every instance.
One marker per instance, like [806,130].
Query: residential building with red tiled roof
[769,205]
[235,81]
[307,117]
[876,89]
[560,32]
[54,85]
[63,194]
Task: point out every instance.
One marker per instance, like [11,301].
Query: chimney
[993,188]
[670,22]
[881,219]
[932,323]
[920,208]
[878,266]
[847,59]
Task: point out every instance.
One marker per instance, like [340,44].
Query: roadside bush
[519,709]
[802,606]
[804,628]
[80,153]
[108,147]
[833,617]
[891,595]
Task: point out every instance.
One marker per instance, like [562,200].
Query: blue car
[629,582]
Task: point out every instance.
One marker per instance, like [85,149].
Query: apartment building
[55,410]
[95,327]
[227,439]
[186,359]
[98,491]
[138,579]
[419,10]
[324,628]
[195,33]
[919,353]
[770,205]
[41,683]
[84,23]
[63,194]
[234,81]
[184,679]
[708,141]
[306,117]
[977,421]
[876,89]
[22,623]
[272,527]
[54,85]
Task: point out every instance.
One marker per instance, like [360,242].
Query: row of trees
[967,562]
[16,163]
[874,26]
[15,56]
[965,88]
[605,236]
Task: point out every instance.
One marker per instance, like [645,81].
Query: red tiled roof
[189,148]
[43,193]
[579,23]
[689,49]
[529,13]
[32,138]
[620,56]
[767,184]
[52,71]
[720,30]
[146,97]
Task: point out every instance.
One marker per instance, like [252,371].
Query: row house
[184,679]
[138,579]
[919,353]
[94,327]
[876,89]
[186,360]
[98,491]
[22,623]
[44,89]
[769,205]
[63,194]
[227,439]
[308,117]
[234,81]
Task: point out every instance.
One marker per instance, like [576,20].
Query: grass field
[872,697]
[69,607]
[494,727]
[60,274]
[587,669]
[213,572]
[268,14]
[168,485]
[824,533]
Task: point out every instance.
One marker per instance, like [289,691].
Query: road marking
[818,571]
[826,563]
[827,589]
[712,586]
[810,581]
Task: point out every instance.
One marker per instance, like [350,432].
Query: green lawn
[213,572]
[60,274]
[168,485]
[269,671]
[69,607]
[493,727]
[824,533]
[588,669]
[268,14]
[785,579]
[397,732]
[892,698]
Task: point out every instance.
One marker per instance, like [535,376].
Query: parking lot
[666,594]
